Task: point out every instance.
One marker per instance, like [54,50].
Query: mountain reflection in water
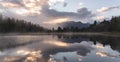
[59,48]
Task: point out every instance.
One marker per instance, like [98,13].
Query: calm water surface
[59,48]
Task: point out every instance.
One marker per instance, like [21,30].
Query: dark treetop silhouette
[13,25]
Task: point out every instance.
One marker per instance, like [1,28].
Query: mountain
[73,24]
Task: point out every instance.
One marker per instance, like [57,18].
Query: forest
[112,25]
[13,25]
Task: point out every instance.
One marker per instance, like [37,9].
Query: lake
[59,48]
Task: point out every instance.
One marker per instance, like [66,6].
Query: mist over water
[59,48]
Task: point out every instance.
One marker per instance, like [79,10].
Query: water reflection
[105,54]
[59,48]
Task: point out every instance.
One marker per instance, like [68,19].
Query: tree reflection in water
[58,48]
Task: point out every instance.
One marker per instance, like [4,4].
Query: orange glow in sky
[61,20]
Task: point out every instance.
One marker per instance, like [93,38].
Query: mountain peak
[73,24]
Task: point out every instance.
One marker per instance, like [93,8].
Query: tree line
[14,25]
[112,25]
[66,29]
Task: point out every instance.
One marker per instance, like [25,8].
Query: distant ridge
[73,24]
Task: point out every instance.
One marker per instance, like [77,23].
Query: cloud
[80,14]
[56,21]
[105,9]
[80,5]
[37,11]
[29,6]
[52,2]
[106,54]
[100,18]
[65,4]
[8,4]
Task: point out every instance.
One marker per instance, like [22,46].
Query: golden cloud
[39,10]
[100,17]
[56,21]
[105,54]
[9,5]
[26,7]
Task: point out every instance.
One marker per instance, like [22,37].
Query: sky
[51,12]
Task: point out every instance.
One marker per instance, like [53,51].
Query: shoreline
[66,33]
